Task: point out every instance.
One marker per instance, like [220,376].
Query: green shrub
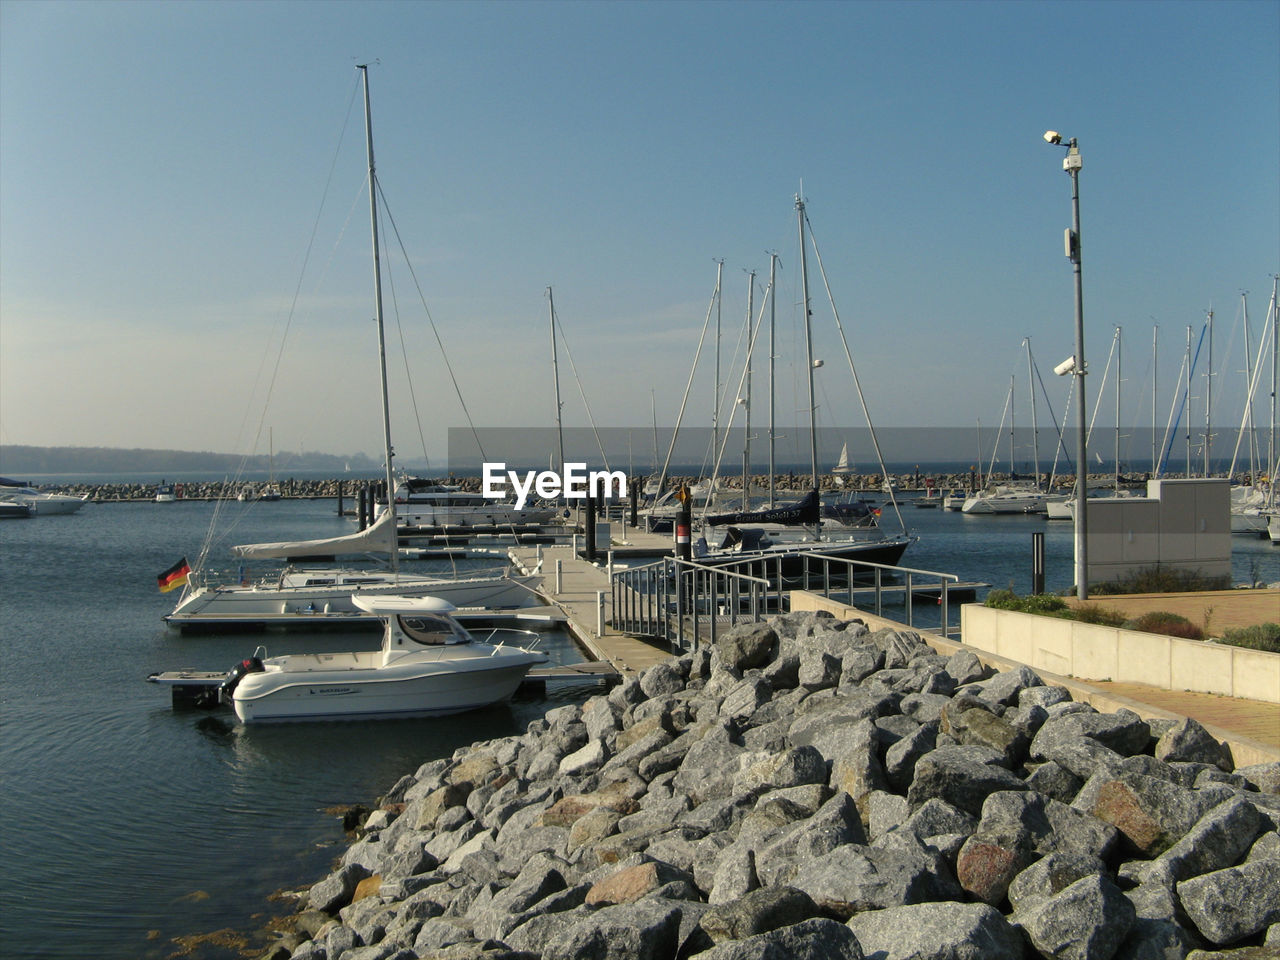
[1044,603]
[1263,636]
[1169,624]
[1103,616]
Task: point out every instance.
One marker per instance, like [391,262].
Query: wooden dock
[584,587]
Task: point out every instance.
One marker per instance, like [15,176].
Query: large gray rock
[817,939]
[1152,814]
[1228,905]
[1187,740]
[1220,839]
[963,777]
[853,878]
[936,931]
[746,646]
[758,911]
[335,890]
[1088,920]
[646,930]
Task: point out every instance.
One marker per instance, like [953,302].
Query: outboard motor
[236,674]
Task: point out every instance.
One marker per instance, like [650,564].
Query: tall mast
[1275,375]
[555,376]
[1013,416]
[1208,394]
[1119,346]
[1035,432]
[1186,400]
[1155,463]
[382,338]
[715,404]
[808,347]
[773,302]
[746,432]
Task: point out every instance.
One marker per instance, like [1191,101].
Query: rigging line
[207,544]
[581,392]
[404,355]
[439,342]
[1246,420]
[862,400]
[1052,416]
[666,464]
[728,430]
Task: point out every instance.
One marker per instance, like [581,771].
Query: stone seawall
[812,789]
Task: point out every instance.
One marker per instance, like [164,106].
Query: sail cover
[379,537]
[803,511]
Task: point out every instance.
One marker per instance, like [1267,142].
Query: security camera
[1052,136]
[1066,366]
[818,363]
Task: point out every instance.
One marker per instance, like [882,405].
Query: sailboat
[842,465]
[315,596]
[783,534]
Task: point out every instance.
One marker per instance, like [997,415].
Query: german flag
[175,576]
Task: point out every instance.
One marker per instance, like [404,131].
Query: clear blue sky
[162,166]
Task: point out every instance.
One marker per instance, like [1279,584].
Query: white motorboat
[11,509]
[42,504]
[313,596]
[428,665]
[166,493]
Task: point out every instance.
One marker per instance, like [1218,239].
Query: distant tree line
[16,459]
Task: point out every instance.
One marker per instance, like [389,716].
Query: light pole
[1071,164]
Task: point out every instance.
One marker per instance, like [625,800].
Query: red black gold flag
[175,576]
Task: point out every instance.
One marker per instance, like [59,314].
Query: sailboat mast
[1275,377]
[1155,373]
[746,429]
[1119,345]
[808,346]
[773,302]
[555,376]
[715,403]
[1035,432]
[1208,394]
[382,338]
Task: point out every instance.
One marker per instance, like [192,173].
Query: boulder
[936,931]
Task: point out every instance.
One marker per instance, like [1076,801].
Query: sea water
[128,824]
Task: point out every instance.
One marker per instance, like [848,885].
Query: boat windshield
[432,630]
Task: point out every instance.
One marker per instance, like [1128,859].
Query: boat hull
[440,688]
[257,606]
[887,551]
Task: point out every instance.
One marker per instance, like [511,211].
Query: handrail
[879,569]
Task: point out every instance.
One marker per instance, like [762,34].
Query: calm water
[128,824]
[124,817]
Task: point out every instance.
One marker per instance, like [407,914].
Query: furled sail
[378,537]
[801,512]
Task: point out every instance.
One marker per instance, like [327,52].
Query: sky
[184,230]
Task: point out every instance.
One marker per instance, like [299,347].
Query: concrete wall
[1093,652]
[1180,525]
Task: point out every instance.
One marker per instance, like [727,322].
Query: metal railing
[855,572]
[684,602]
[678,601]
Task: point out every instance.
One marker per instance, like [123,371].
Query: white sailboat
[842,465]
[311,596]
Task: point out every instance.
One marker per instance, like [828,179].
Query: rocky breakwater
[810,789]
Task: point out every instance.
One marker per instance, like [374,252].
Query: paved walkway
[1248,718]
[1214,611]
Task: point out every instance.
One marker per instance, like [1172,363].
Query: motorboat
[428,665]
[311,596]
[166,493]
[11,509]
[42,504]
